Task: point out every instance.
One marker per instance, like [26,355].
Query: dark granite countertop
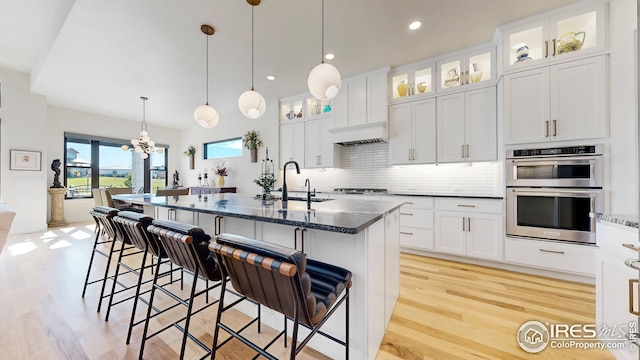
[624,220]
[343,216]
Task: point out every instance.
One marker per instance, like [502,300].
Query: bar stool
[187,246]
[283,279]
[134,225]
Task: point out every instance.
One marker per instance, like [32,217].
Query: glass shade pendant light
[251,103]
[324,79]
[143,145]
[205,115]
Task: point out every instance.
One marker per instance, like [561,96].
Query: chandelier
[143,145]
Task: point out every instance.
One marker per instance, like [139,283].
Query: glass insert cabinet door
[568,34]
[469,69]
[417,80]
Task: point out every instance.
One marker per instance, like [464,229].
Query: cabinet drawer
[611,237]
[415,202]
[579,259]
[416,238]
[472,205]
[416,218]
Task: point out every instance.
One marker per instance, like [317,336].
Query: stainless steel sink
[313,199]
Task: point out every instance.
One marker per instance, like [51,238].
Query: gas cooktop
[359,191]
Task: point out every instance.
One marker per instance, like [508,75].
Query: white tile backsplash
[367,166]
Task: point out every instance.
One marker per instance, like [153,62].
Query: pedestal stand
[57,207]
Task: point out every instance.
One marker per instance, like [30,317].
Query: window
[223,149]
[95,162]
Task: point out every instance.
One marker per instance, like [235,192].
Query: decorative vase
[220,181]
[192,162]
[402,89]
[254,155]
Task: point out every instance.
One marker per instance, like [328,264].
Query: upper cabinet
[412,81]
[470,68]
[291,109]
[564,35]
[303,107]
[362,100]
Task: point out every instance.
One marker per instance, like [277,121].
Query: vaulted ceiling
[102,55]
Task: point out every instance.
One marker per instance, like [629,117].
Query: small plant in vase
[266,182]
[221,171]
[252,142]
[191,152]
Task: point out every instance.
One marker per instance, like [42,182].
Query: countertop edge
[623,220]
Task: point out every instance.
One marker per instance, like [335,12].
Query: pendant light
[251,102]
[205,115]
[324,79]
[143,145]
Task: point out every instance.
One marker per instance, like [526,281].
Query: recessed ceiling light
[329,56]
[415,25]
[271,77]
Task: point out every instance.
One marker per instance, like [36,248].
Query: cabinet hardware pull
[632,283]
[405,233]
[552,251]
[302,237]
[633,263]
[409,154]
[555,127]
[469,224]
[631,246]
[465,205]
[546,49]
[463,227]
[295,237]
[546,129]
[410,214]
[217,225]
[413,154]
[467,148]
[554,47]
[409,202]
[462,150]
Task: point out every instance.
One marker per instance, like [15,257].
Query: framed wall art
[25,160]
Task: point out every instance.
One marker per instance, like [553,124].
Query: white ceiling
[102,55]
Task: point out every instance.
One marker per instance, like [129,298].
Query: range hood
[360,134]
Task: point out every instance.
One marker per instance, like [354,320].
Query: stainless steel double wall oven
[550,192]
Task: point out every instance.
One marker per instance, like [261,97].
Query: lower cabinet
[612,285]
[551,255]
[416,223]
[469,227]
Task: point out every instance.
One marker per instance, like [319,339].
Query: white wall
[623,160]
[243,171]
[61,120]
[23,126]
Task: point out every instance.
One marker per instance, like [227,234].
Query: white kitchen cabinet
[292,143]
[416,222]
[468,68]
[291,109]
[612,283]
[551,255]
[319,148]
[412,132]
[566,101]
[469,227]
[362,100]
[466,126]
[561,35]
[412,81]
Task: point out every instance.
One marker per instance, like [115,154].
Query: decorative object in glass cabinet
[411,83]
[318,107]
[291,110]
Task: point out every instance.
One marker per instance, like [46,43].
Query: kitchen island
[361,236]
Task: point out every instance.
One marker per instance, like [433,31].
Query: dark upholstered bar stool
[283,279]
[103,216]
[187,246]
[134,226]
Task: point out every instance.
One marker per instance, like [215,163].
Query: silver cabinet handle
[463,227]
[462,150]
[469,224]
[410,214]
[413,154]
[546,49]
[552,251]
[409,154]
[631,246]
[632,284]
[555,127]
[406,233]
[467,148]
[633,263]
[466,206]
[546,129]
[554,47]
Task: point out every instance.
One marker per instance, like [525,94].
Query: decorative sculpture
[55,166]
[176,179]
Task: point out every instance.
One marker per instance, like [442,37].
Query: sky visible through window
[111,156]
[223,149]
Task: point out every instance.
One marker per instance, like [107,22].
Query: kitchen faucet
[285,196]
[307,183]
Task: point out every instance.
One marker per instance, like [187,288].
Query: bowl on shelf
[476,76]
[422,87]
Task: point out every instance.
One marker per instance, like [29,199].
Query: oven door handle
[555,191]
[572,160]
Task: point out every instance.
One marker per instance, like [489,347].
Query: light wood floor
[446,310]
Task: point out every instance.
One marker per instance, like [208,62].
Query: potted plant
[266,182]
[222,170]
[191,152]
[252,142]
